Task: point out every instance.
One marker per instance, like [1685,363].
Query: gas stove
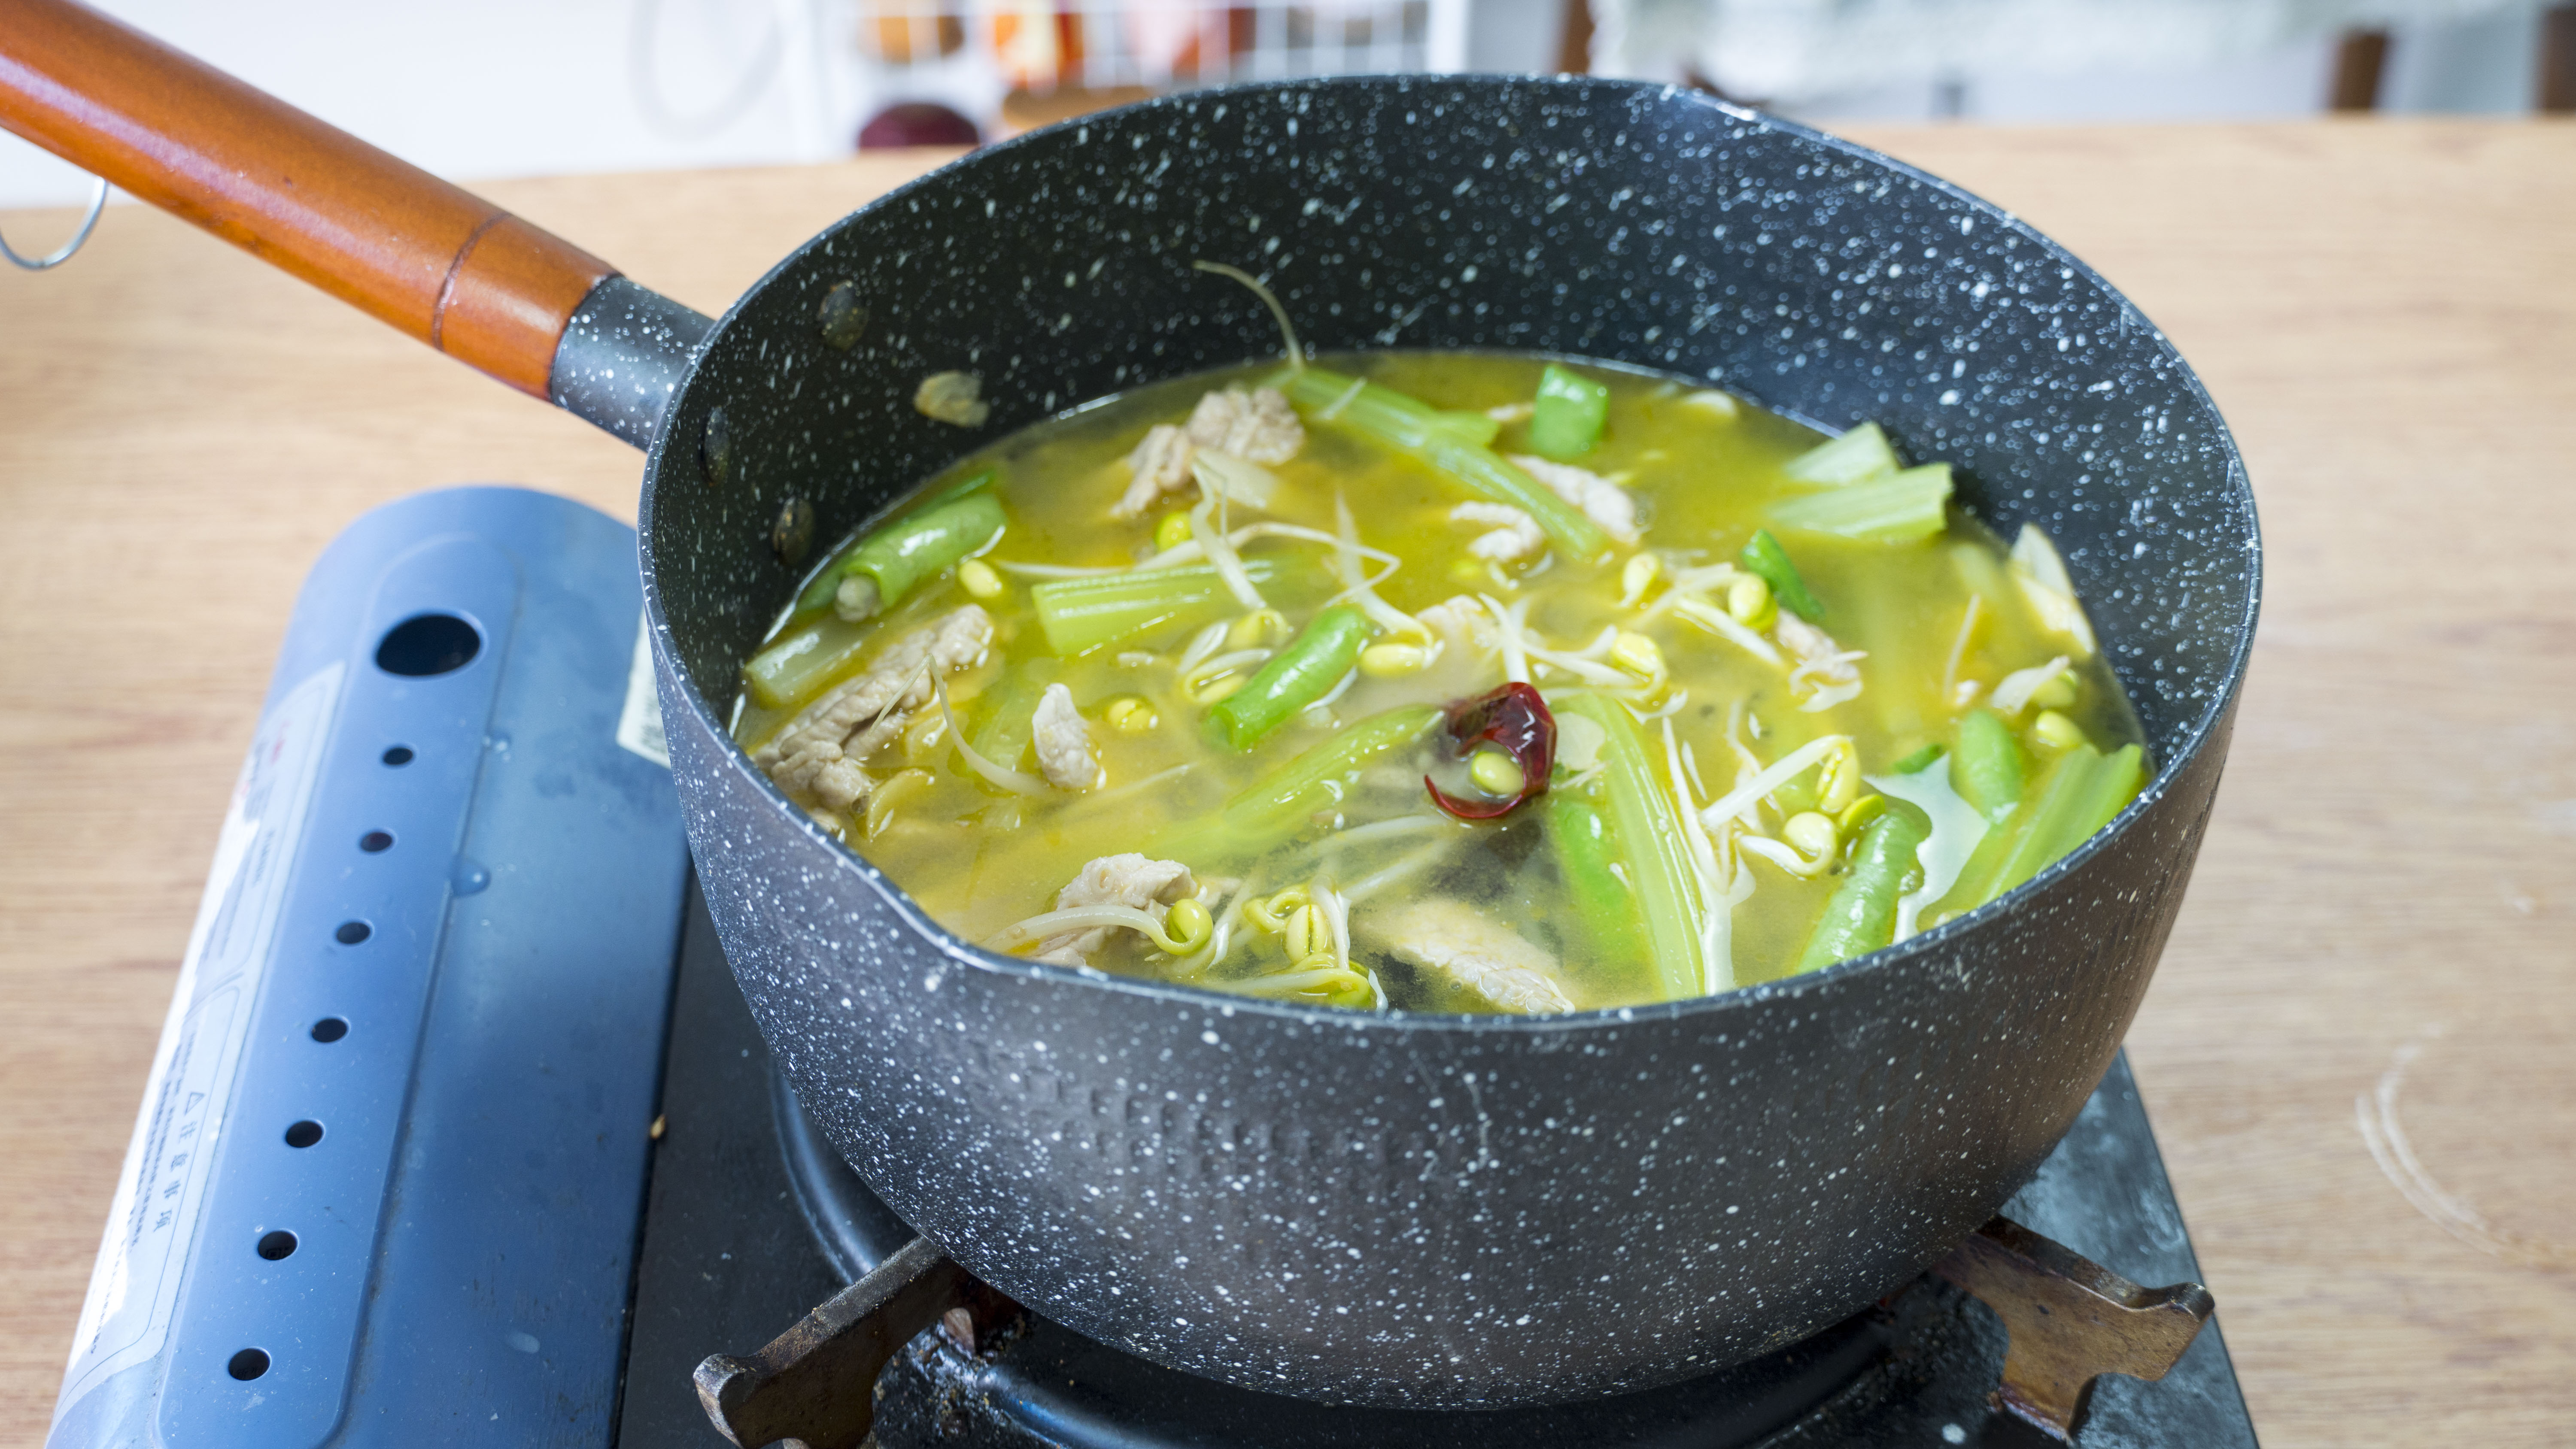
[459,1129]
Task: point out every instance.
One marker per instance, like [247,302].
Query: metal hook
[63,253]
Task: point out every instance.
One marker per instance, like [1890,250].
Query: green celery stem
[1444,442]
[1645,836]
[1295,791]
[1568,416]
[1580,837]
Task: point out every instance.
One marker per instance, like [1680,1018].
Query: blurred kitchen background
[487,88]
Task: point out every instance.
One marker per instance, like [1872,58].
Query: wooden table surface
[2386,312]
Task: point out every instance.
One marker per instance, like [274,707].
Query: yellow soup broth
[1354,889]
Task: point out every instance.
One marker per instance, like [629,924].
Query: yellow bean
[1638,655]
[2057,693]
[1638,576]
[2056,731]
[925,736]
[1840,785]
[979,579]
[1261,629]
[1210,691]
[1748,602]
[902,785]
[1130,714]
[1387,661]
[1189,925]
[1860,812]
[1172,532]
[1496,773]
[1811,835]
[1306,932]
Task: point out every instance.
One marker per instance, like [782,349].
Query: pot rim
[2196,734]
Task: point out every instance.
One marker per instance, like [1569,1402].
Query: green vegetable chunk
[2077,796]
[1646,838]
[1443,442]
[1080,615]
[1585,859]
[1856,456]
[1010,711]
[1896,508]
[1861,916]
[803,660]
[1288,796]
[903,553]
[1566,421]
[1766,560]
[1297,676]
[1987,768]
[1917,762]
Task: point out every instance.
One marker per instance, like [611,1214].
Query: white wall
[478,88]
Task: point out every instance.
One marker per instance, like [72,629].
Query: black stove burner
[754,1220]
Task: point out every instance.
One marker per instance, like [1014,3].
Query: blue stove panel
[388,1180]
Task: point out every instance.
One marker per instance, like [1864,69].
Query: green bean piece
[1566,421]
[1861,915]
[1857,456]
[1444,443]
[1316,660]
[817,594]
[1764,558]
[1010,721]
[1987,768]
[1603,906]
[1080,615]
[1646,838]
[903,553]
[1919,761]
[1905,507]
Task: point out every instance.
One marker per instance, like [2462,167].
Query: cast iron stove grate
[754,1220]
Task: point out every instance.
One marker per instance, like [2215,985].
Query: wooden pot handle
[384,236]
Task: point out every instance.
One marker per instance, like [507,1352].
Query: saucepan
[1390,1209]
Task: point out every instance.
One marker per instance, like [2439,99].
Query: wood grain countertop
[2386,312]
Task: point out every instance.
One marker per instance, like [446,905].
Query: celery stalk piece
[1080,615]
[1567,418]
[1764,558]
[1898,508]
[1860,917]
[1322,653]
[2077,796]
[1440,441]
[1010,710]
[1287,797]
[796,666]
[1603,906]
[1646,837]
[1987,766]
[1858,455]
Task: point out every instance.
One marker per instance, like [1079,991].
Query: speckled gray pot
[1438,1211]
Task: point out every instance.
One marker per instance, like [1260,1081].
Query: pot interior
[1637,224]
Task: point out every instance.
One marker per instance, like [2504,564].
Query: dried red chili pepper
[1515,718]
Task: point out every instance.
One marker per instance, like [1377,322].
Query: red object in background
[917,123]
